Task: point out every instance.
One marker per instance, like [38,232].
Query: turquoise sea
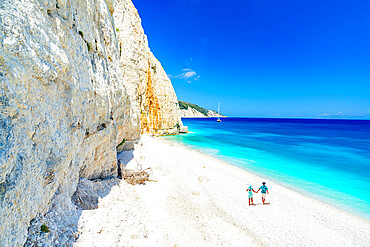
[328,160]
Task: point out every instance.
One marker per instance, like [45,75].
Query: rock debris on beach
[201,201]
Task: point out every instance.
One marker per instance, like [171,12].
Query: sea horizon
[294,155]
[308,118]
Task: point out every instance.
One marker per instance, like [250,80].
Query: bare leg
[249,200]
[263,200]
[252,200]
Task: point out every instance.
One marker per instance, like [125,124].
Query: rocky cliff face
[153,99]
[76,79]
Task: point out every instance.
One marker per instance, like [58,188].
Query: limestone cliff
[71,91]
[153,99]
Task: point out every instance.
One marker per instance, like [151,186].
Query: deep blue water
[325,159]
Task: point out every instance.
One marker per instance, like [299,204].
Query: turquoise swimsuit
[250,193]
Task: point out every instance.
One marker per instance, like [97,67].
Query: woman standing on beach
[250,195]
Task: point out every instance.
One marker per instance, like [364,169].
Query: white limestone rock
[70,93]
[62,100]
[154,106]
[184,129]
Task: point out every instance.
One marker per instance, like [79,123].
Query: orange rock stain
[151,120]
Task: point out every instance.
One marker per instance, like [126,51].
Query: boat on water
[218,118]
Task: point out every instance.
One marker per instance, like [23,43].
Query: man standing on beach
[263,190]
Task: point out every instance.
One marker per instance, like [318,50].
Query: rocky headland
[189,110]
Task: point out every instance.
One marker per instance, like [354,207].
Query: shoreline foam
[198,200]
[274,181]
[316,197]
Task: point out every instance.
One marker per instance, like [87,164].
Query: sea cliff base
[192,199]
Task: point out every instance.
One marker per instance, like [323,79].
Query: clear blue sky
[263,58]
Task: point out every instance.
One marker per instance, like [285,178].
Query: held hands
[254,191]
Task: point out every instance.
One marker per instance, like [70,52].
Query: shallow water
[326,159]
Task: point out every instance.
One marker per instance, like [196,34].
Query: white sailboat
[218,118]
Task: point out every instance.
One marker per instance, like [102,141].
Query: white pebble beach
[196,200]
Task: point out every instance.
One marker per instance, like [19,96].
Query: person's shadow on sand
[255,204]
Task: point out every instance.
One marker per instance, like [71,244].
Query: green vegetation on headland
[184,106]
[207,113]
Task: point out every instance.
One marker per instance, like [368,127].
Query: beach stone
[145,232]
[203,179]
[75,81]
[184,129]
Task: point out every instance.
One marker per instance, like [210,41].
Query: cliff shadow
[59,226]
[88,191]
[125,157]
